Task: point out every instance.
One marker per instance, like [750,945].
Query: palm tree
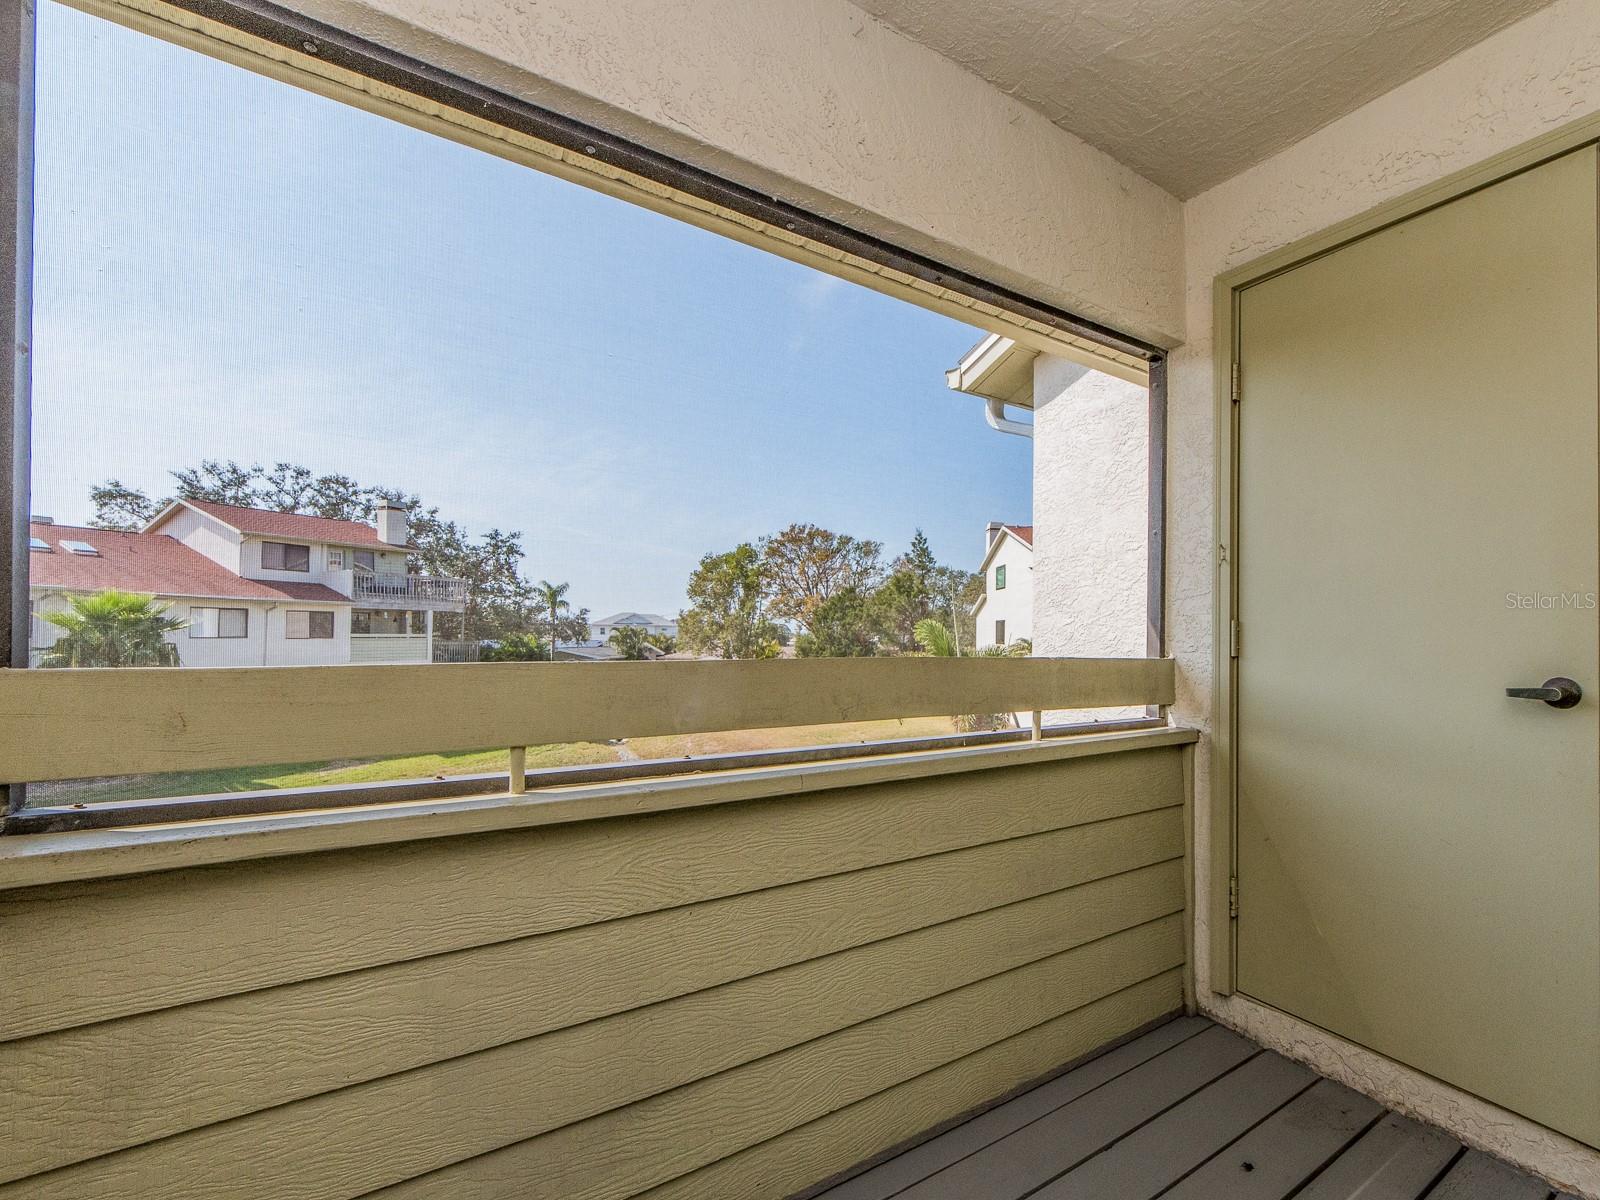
[554,597]
[936,639]
[113,629]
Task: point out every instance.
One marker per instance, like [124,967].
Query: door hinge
[1234,629]
[1236,391]
[1233,895]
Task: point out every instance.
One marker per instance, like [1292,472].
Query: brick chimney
[394,529]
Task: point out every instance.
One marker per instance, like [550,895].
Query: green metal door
[1418,854]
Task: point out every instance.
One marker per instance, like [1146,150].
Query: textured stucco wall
[1090,515]
[818,103]
[1524,81]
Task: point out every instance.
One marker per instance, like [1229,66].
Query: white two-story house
[1004,613]
[254,587]
[653,624]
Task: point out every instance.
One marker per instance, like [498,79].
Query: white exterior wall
[337,578]
[654,629]
[1091,481]
[306,652]
[1527,80]
[264,643]
[819,104]
[1012,604]
[206,535]
[252,650]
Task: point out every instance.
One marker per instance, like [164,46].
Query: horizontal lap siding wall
[368,647]
[716,1002]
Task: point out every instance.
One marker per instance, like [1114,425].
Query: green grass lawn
[782,739]
[297,775]
[439,766]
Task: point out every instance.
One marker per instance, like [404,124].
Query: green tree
[663,642]
[516,647]
[935,639]
[727,614]
[846,625]
[499,600]
[574,626]
[907,595]
[900,604]
[222,483]
[557,621]
[954,594]
[632,642]
[113,629]
[804,565]
[920,587]
[919,560]
[118,506]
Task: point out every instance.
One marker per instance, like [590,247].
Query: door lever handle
[1559,692]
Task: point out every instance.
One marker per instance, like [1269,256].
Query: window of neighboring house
[999,633]
[366,560]
[1000,577]
[285,556]
[303,623]
[219,622]
[391,622]
[335,559]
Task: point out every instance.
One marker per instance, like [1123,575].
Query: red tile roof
[154,563]
[264,522]
[1025,532]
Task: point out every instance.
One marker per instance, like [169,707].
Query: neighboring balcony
[454,651]
[413,591]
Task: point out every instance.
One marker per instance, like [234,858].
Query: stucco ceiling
[1191,92]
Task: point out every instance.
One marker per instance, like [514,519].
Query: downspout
[994,411]
[266,630]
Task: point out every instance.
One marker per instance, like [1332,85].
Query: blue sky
[227,266]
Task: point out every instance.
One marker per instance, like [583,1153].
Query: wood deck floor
[1191,1111]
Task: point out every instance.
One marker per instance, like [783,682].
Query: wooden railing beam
[70,724]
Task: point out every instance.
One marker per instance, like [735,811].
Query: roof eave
[161,517]
[376,543]
[997,368]
[994,547]
[78,589]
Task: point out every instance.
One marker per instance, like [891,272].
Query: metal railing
[455,652]
[391,585]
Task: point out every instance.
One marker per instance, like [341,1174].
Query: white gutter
[994,412]
[1000,372]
